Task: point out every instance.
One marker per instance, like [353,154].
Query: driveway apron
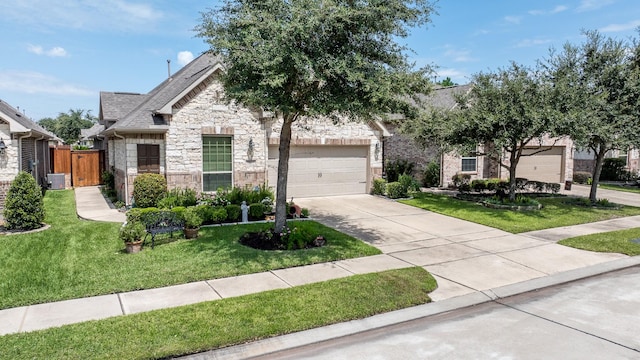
[463,256]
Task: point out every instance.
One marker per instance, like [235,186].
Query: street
[594,318]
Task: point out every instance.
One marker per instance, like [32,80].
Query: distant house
[24,146]
[553,165]
[91,137]
[184,130]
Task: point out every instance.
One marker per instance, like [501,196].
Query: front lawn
[77,258]
[556,212]
[210,325]
[631,189]
[611,242]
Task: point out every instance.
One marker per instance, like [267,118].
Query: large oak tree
[309,58]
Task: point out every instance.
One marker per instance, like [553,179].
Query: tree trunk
[283,172]
[513,163]
[595,180]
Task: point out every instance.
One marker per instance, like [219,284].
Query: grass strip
[77,258]
[556,212]
[611,242]
[620,188]
[215,324]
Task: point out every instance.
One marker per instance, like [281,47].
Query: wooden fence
[84,166]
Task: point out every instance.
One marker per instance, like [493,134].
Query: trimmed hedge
[24,207]
[148,189]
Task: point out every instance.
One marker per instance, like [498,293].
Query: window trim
[475,164]
[231,172]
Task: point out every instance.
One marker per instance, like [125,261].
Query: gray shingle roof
[92,132]
[24,121]
[444,97]
[115,105]
[143,117]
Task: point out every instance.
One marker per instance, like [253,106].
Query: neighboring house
[584,160]
[91,137]
[24,146]
[184,130]
[553,165]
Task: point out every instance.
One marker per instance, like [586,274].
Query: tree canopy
[597,86]
[67,125]
[504,112]
[317,58]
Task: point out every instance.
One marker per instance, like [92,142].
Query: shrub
[131,231]
[395,190]
[379,186]
[538,186]
[395,168]
[479,185]
[250,195]
[492,184]
[140,214]
[234,212]
[206,213]
[304,212]
[219,215]
[178,197]
[614,170]
[581,177]
[24,208]
[461,179]
[179,211]
[521,183]
[256,211]
[408,183]
[109,180]
[431,174]
[192,220]
[552,187]
[148,189]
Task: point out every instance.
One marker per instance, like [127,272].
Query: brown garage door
[547,166]
[322,170]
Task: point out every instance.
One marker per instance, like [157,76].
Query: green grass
[210,325]
[556,212]
[630,189]
[77,258]
[611,242]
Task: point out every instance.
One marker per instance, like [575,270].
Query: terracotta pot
[191,233]
[134,247]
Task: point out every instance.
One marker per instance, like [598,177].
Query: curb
[326,333]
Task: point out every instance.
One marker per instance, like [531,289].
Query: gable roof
[143,113]
[444,97]
[92,132]
[19,123]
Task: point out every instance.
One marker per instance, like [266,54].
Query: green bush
[192,220]
[219,215]
[23,207]
[395,190]
[249,195]
[206,213]
[394,168]
[379,186]
[581,177]
[256,211]
[613,169]
[304,212]
[234,212]
[431,175]
[408,183]
[148,189]
[140,214]
[131,232]
[460,180]
[108,180]
[479,185]
[179,211]
[178,197]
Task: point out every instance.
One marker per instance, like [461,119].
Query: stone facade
[203,113]
[399,146]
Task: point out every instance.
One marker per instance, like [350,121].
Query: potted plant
[192,222]
[132,233]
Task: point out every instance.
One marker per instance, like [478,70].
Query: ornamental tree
[309,58]
[597,87]
[503,112]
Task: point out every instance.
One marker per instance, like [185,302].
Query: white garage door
[546,166]
[322,170]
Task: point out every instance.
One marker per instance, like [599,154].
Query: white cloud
[31,82]
[533,42]
[631,25]
[116,15]
[513,19]
[185,57]
[458,76]
[589,5]
[559,9]
[457,55]
[56,51]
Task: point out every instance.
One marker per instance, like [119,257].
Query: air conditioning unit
[56,181]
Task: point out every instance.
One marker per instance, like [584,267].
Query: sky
[58,55]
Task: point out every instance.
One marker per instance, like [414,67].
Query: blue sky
[59,57]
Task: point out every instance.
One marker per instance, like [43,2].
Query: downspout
[126,177]
[20,149]
[35,151]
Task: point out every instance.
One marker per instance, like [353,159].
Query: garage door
[546,166]
[322,170]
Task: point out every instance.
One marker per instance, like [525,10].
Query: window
[622,154]
[469,164]
[148,158]
[217,161]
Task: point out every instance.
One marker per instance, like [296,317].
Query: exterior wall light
[3,147]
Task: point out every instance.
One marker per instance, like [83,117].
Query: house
[552,165]
[585,160]
[91,137]
[24,146]
[184,130]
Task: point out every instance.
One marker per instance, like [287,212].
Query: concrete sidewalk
[91,205]
[469,261]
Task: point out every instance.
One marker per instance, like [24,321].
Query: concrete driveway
[464,257]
